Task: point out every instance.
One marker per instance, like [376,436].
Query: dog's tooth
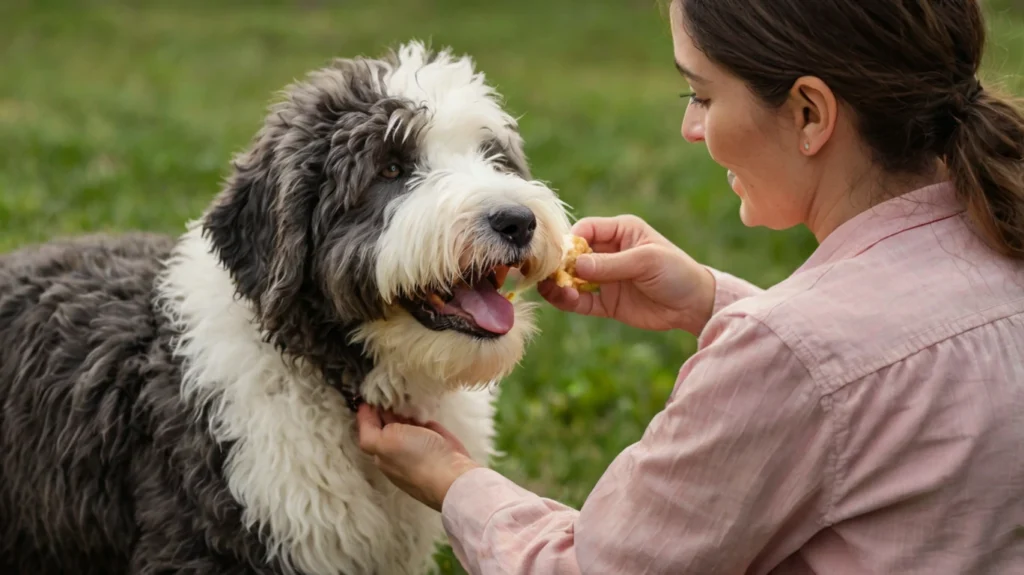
[435,300]
[500,273]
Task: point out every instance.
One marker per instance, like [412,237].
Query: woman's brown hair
[907,68]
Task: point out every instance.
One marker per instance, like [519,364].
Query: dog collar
[352,399]
[348,385]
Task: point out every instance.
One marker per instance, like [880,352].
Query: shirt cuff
[471,501]
[730,289]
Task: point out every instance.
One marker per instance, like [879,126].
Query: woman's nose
[693,127]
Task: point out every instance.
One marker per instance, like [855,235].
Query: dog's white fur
[296,466]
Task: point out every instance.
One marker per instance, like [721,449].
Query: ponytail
[985,158]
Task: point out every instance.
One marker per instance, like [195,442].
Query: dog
[185,404]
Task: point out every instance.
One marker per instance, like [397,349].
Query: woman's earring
[807,146]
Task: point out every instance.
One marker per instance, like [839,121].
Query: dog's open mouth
[474,304]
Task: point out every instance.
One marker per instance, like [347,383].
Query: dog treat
[565,276]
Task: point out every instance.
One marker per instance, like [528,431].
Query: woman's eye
[692,97]
[392,171]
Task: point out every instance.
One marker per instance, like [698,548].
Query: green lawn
[125,117]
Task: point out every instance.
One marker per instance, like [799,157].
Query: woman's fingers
[617,267]
[604,230]
[448,436]
[570,300]
[564,299]
[389,417]
[370,428]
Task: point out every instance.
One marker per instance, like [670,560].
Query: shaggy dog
[184,405]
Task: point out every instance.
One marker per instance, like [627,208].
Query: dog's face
[382,204]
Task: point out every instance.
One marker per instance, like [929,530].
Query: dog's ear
[239,223]
[301,211]
[259,224]
[304,170]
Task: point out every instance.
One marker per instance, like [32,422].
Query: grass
[121,116]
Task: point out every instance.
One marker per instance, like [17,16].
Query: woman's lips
[734,183]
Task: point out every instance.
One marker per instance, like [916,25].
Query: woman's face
[762,148]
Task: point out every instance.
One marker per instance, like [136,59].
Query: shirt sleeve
[730,289]
[741,450]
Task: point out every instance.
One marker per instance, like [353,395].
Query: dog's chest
[298,472]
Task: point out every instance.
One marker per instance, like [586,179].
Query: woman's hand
[422,460]
[645,280]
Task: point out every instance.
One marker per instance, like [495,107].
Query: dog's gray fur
[102,468]
[287,231]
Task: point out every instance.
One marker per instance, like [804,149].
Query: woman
[866,415]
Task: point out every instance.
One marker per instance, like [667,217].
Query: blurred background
[123,115]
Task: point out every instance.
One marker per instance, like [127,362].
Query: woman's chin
[746,214]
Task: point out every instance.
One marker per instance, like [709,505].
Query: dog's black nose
[515,225]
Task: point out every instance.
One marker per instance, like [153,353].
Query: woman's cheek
[717,140]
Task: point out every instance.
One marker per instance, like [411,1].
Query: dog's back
[79,343]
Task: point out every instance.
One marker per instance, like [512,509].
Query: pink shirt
[866,415]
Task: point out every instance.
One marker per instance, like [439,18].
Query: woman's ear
[815,111]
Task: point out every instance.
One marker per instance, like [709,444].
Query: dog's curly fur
[177,405]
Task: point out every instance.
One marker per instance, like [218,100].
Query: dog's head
[381,205]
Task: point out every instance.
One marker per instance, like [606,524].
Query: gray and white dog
[184,405]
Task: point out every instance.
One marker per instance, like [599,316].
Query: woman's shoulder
[857,316]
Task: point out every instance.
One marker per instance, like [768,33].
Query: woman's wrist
[699,311]
[459,466]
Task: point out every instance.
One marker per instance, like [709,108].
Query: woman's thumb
[615,267]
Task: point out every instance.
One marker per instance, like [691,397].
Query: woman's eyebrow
[689,74]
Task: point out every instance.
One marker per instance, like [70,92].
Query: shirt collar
[913,209]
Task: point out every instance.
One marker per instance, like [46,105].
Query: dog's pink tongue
[490,310]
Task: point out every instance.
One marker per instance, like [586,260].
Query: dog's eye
[505,164]
[392,171]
